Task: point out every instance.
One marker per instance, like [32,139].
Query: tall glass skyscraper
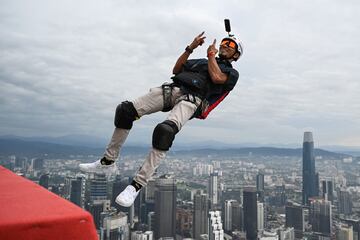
[309,175]
[200,217]
[250,213]
[295,218]
[213,188]
[321,216]
[165,207]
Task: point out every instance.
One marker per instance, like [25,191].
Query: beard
[222,56]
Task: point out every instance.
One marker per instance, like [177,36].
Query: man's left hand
[212,49]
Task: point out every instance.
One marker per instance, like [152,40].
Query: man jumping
[198,86]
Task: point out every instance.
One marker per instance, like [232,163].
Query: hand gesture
[198,40]
[212,49]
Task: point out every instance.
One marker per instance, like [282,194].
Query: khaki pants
[153,102]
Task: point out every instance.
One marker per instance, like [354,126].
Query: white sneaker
[97,167]
[127,197]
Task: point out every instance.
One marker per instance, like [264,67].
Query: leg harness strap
[167,92]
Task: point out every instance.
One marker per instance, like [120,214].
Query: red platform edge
[29,211]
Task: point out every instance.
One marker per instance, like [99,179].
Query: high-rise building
[228,216]
[355,224]
[20,162]
[96,207]
[309,175]
[345,233]
[328,190]
[320,216]
[96,187]
[295,218]
[146,200]
[77,191]
[37,164]
[260,217]
[235,193]
[278,197]
[345,204]
[184,219]
[237,216]
[216,231]
[114,226]
[250,213]
[213,188]
[165,206]
[260,186]
[286,234]
[151,221]
[200,217]
[96,191]
[44,181]
[139,235]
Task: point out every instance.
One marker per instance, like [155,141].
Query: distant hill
[51,150]
[262,151]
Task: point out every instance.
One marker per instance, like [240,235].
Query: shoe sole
[122,204]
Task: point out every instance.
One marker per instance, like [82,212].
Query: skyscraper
[250,213]
[213,188]
[328,190]
[200,218]
[345,204]
[321,216]
[286,234]
[37,164]
[295,218]
[96,192]
[44,181]
[139,235]
[228,216]
[309,175]
[260,186]
[114,226]
[77,191]
[96,207]
[149,193]
[215,226]
[235,193]
[97,187]
[237,216]
[345,233]
[260,216]
[151,221]
[355,224]
[165,207]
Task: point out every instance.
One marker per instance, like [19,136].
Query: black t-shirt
[195,77]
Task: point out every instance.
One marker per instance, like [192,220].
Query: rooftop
[29,211]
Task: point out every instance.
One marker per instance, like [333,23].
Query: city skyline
[184,199]
[64,70]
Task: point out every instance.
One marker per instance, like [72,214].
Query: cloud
[64,66]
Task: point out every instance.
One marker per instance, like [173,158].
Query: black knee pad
[164,135]
[125,115]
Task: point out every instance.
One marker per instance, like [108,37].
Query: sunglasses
[228,43]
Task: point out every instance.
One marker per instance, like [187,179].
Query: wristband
[210,54]
[189,50]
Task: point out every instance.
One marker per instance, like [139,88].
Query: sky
[66,65]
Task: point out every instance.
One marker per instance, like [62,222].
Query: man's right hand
[198,40]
